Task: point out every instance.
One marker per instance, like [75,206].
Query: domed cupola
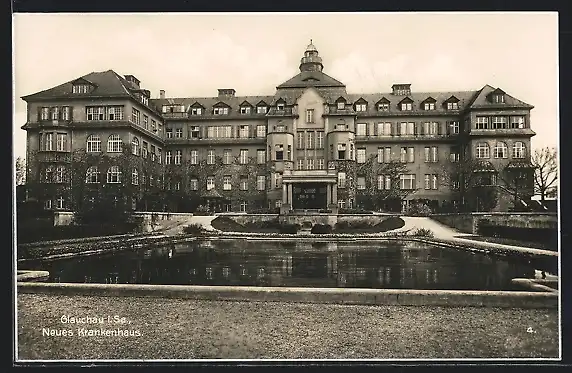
[311,60]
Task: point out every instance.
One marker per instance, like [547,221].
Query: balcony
[54,156]
[406,138]
[505,132]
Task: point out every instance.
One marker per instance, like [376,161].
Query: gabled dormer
[406,104]
[341,103]
[82,86]
[196,109]
[245,107]
[383,104]
[220,108]
[497,96]
[261,107]
[280,104]
[428,104]
[452,103]
[360,105]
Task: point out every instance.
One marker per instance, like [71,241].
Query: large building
[310,145]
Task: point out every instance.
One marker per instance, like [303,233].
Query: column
[290,196]
[284,195]
[328,194]
[335,194]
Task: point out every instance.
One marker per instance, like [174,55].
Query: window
[403,155]
[279,128]
[49,141]
[92,175]
[243,206]
[169,133]
[431,128]
[245,110]
[134,177]
[66,113]
[429,106]
[341,204]
[406,106]
[482,123]
[61,142]
[47,204]
[407,129]
[243,132]
[341,151]
[55,113]
[361,107]
[383,182]
[431,154]
[115,113]
[135,116]
[45,113]
[499,123]
[243,156]
[135,146]
[60,172]
[320,140]
[114,144]
[179,133]
[517,122]
[498,98]
[226,156]
[430,182]
[178,156]
[210,156]
[361,155]
[482,150]
[434,182]
[280,107]
[196,111]
[342,126]
[500,150]
[310,163]
[113,175]
[341,105]
[95,113]
[309,115]
[454,127]
[452,106]
[226,184]
[194,156]
[518,150]
[194,132]
[260,156]
[159,153]
[243,183]
[80,88]
[278,203]
[454,154]
[407,181]
[210,182]
[152,153]
[218,132]
[427,181]
[277,180]
[49,174]
[261,109]
[194,184]
[261,182]
[410,155]
[310,140]
[300,138]
[300,165]
[220,111]
[60,202]
[384,129]
[361,129]
[341,179]
[279,150]
[261,130]
[321,163]
[167,157]
[145,121]
[361,182]
[145,149]
[383,106]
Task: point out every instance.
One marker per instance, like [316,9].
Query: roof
[481,100]
[311,79]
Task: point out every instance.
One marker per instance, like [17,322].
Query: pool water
[374,264]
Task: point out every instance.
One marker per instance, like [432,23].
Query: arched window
[518,150]
[135,177]
[482,150]
[501,150]
[114,144]
[135,146]
[113,175]
[92,175]
[93,144]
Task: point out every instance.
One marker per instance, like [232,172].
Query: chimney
[162,93]
[226,92]
[401,89]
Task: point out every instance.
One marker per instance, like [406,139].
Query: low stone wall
[468,222]
[313,218]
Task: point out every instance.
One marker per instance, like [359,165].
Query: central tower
[311,60]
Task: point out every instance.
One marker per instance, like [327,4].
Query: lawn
[193,329]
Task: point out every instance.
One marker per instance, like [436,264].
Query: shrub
[226,224]
[289,228]
[271,211]
[195,229]
[422,232]
[321,229]
[389,224]
[419,209]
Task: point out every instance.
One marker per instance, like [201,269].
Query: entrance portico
[309,190]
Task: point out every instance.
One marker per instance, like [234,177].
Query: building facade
[311,145]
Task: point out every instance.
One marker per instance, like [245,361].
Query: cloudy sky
[194,54]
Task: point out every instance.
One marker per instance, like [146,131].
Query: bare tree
[545,160]
[20,171]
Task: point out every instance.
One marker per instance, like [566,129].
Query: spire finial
[311,41]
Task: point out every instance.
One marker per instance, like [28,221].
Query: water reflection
[407,265]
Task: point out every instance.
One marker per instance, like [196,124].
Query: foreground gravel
[193,329]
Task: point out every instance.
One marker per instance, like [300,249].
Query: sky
[192,55]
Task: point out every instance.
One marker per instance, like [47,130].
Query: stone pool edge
[356,296]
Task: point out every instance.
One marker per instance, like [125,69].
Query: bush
[419,209]
[289,228]
[271,211]
[195,229]
[422,232]
[321,229]
[390,224]
[226,224]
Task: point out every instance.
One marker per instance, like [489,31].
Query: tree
[20,171]
[545,161]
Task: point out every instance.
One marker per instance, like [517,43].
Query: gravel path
[192,329]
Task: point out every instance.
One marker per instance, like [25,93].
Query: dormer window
[341,105]
[220,111]
[196,111]
[429,106]
[452,106]
[406,106]
[383,106]
[245,110]
[361,107]
[80,88]
[280,106]
[498,98]
[144,100]
[261,109]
